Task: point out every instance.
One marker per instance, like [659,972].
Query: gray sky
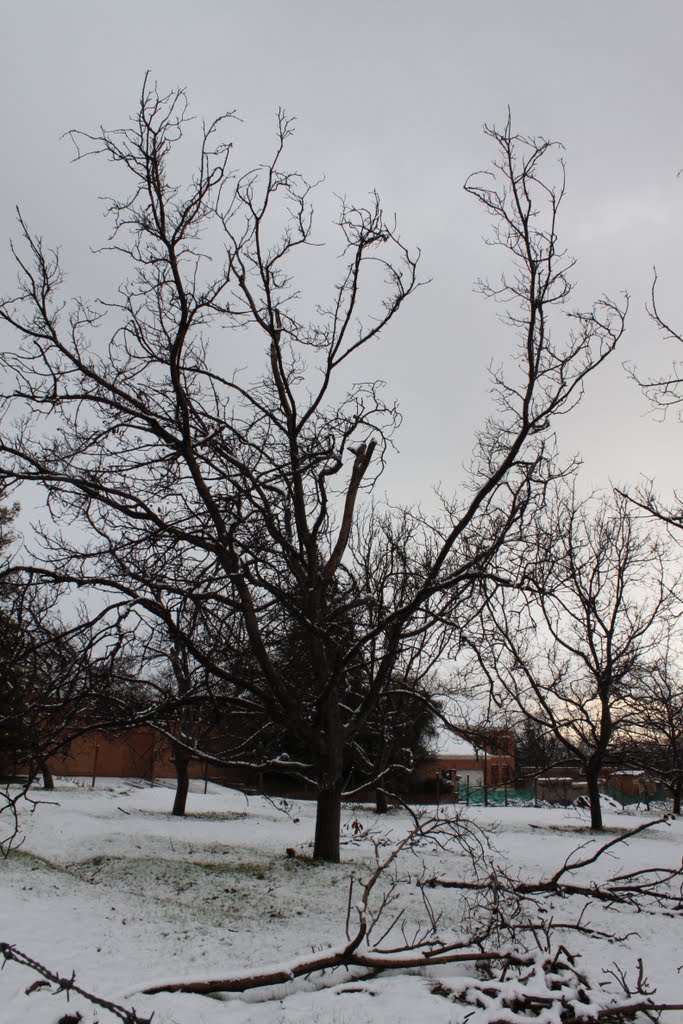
[392,95]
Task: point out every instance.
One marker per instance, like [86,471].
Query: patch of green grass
[304,860]
[34,861]
[217,815]
[190,815]
[247,869]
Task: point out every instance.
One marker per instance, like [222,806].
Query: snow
[447,744]
[559,778]
[108,884]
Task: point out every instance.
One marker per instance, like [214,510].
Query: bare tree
[191,481]
[654,742]
[53,688]
[567,646]
[665,393]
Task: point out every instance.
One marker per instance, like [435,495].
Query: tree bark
[182,762]
[592,781]
[328,824]
[48,781]
[330,765]
[676,791]
[381,805]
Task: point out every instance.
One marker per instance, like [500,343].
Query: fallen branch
[325,960]
[633,888]
[493,926]
[619,1013]
[552,989]
[551,984]
[624,837]
[422,949]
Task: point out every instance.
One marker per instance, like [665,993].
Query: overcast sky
[392,95]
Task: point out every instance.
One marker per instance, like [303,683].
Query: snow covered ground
[109,885]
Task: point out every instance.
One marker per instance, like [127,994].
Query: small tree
[14,738]
[655,738]
[190,482]
[568,646]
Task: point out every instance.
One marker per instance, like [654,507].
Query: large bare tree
[199,443]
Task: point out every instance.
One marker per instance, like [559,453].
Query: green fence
[499,796]
[502,796]
[629,799]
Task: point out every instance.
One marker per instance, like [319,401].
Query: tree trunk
[330,764]
[182,762]
[48,781]
[328,824]
[676,792]
[592,780]
[381,805]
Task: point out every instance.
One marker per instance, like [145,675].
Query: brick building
[487,757]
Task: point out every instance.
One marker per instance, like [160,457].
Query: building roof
[449,745]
